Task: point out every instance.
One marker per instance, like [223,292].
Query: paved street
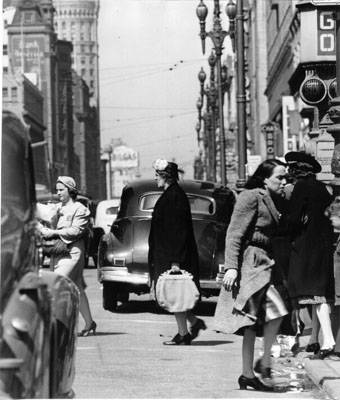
[126,359]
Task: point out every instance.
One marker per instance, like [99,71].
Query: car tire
[110,295]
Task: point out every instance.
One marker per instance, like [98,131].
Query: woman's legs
[323,314]
[314,337]
[84,309]
[248,352]
[191,317]
[269,335]
[181,323]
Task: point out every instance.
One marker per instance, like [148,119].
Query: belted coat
[253,224]
[171,238]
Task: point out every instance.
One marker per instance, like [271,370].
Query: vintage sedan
[38,309]
[123,253]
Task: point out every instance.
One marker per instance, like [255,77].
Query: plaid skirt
[263,306]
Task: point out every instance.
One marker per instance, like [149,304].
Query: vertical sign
[326,32]
[269,130]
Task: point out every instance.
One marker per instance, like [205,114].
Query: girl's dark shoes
[312,348]
[195,329]
[179,340]
[322,354]
[86,332]
[254,383]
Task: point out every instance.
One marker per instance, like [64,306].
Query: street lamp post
[217,36]
[108,149]
[241,96]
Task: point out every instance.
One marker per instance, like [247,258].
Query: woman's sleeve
[242,217]
[79,224]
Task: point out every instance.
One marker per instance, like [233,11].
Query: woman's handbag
[176,291]
[57,248]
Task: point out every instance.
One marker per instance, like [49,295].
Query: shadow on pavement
[136,306]
[106,334]
[210,342]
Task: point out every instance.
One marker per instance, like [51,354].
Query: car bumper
[121,274]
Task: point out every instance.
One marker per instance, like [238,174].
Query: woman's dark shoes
[254,383]
[312,348]
[322,354]
[179,340]
[266,372]
[195,329]
[86,332]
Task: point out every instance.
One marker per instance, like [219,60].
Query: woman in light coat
[253,307]
[69,223]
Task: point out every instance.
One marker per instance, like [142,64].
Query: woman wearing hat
[172,243]
[70,222]
[250,303]
[311,278]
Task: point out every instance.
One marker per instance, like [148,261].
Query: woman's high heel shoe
[86,332]
[179,340]
[254,383]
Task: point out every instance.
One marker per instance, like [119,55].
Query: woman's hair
[72,193]
[169,178]
[299,169]
[263,171]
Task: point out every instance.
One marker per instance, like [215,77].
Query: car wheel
[110,296]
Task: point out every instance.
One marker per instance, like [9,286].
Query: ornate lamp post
[217,36]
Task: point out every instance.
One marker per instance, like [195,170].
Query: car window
[148,201]
[112,210]
[198,204]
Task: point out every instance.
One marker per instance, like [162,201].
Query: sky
[149,57]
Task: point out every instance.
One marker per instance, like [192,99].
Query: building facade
[77,22]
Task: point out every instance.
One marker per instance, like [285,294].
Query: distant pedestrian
[69,224]
[254,307]
[311,278]
[172,243]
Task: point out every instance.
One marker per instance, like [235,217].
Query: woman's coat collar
[270,204]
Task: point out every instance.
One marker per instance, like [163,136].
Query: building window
[14,92]
[5,70]
[63,25]
[91,60]
[28,17]
[4,50]
[83,61]
[91,72]
[4,92]
[91,84]
[82,48]
[83,71]
[82,36]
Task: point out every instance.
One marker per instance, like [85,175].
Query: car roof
[192,186]
[135,189]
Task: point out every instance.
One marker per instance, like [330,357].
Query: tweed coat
[171,238]
[311,261]
[253,223]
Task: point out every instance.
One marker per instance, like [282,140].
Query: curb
[324,374]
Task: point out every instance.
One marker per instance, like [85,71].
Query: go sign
[326,32]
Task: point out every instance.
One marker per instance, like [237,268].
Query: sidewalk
[325,373]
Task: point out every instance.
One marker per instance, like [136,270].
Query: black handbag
[55,247]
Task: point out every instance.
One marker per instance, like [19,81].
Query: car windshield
[198,204]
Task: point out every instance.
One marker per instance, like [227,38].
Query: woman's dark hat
[301,156]
[169,167]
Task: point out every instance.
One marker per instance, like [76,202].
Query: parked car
[106,213]
[93,238]
[38,309]
[123,253]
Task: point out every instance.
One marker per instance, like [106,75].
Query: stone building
[33,51]
[76,21]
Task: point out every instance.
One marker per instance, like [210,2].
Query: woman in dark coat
[254,306]
[172,243]
[311,276]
